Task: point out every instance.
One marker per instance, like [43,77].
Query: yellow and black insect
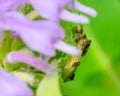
[73,62]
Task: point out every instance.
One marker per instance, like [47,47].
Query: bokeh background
[99,72]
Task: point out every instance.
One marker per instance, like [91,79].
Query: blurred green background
[99,72]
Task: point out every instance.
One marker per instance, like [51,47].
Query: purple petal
[11,86]
[64,47]
[3,20]
[85,9]
[49,9]
[16,57]
[66,15]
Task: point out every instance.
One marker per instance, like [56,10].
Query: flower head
[42,36]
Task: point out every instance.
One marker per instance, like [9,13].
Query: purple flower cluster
[43,36]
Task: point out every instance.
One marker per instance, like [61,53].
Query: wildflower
[43,36]
[11,86]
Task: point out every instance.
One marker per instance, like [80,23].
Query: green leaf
[49,86]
